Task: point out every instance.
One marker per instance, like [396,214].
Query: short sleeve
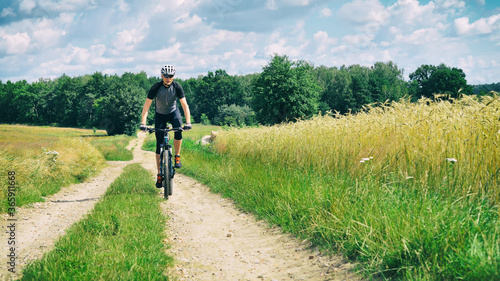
[153,91]
[179,92]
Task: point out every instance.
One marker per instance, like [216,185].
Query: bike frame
[167,168]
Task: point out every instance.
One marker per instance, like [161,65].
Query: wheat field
[448,145]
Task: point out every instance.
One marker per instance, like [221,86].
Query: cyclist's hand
[143,127]
[187,127]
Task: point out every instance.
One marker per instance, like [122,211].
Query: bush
[205,120]
[235,115]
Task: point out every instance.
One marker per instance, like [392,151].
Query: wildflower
[365,159]
[451,160]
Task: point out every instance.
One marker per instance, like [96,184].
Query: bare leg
[158,162]
[177,146]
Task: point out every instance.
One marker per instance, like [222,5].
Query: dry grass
[449,145]
[44,159]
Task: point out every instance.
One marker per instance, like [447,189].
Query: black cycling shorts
[161,120]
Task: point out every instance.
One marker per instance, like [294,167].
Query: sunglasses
[168,76]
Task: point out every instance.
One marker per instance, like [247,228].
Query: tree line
[285,90]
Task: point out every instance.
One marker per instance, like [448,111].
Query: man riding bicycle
[166,93]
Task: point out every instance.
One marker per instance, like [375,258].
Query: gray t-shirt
[166,98]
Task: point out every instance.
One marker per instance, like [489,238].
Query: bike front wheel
[163,171]
[168,184]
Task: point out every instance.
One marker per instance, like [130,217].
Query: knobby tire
[164,170]
[170,178]
[167,188]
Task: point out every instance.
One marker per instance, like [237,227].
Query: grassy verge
[114,148]
[46,159]
[121,239]
[392,229]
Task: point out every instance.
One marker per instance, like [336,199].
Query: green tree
[214,90]
[120,111]
[235,115]
[429,80]
[285,90]
[486,89]
[339,95]
[94,88]
[360,86]
[386,82]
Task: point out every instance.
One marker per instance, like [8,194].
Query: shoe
[177,161]
[159,180]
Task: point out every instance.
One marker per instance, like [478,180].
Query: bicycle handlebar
[166,130]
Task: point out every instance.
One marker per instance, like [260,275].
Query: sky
[49,38]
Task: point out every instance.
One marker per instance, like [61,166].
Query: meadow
[48,158]
[408,190]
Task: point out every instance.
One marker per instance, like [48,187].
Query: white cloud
[481,26]
[15,44]
[224,39]
[276,4]
[67,5]
[79,56]
[271,5]
[359,40]
[187,22]
[326,13]
[127,39]
[46,35]
[451,4]
[364,11]
[68,36]
[7,12]
[296,3]
[122,6]
[420,37]
[411,13]
[323,42]
[173,51]
[26,6]
[282,47]
[452,7]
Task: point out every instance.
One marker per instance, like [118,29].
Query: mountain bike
[167,168]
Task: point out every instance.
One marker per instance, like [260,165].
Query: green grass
[121,239]
[46,159]
[114,148]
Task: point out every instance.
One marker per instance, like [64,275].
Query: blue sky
[46,38]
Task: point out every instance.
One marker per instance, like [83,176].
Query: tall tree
[429,80]
[285,90]
[214,90]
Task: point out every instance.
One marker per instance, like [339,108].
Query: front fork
[167,152]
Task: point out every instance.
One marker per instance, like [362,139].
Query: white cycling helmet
[168,70]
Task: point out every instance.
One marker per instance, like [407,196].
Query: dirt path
[38,227]
[210,238]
